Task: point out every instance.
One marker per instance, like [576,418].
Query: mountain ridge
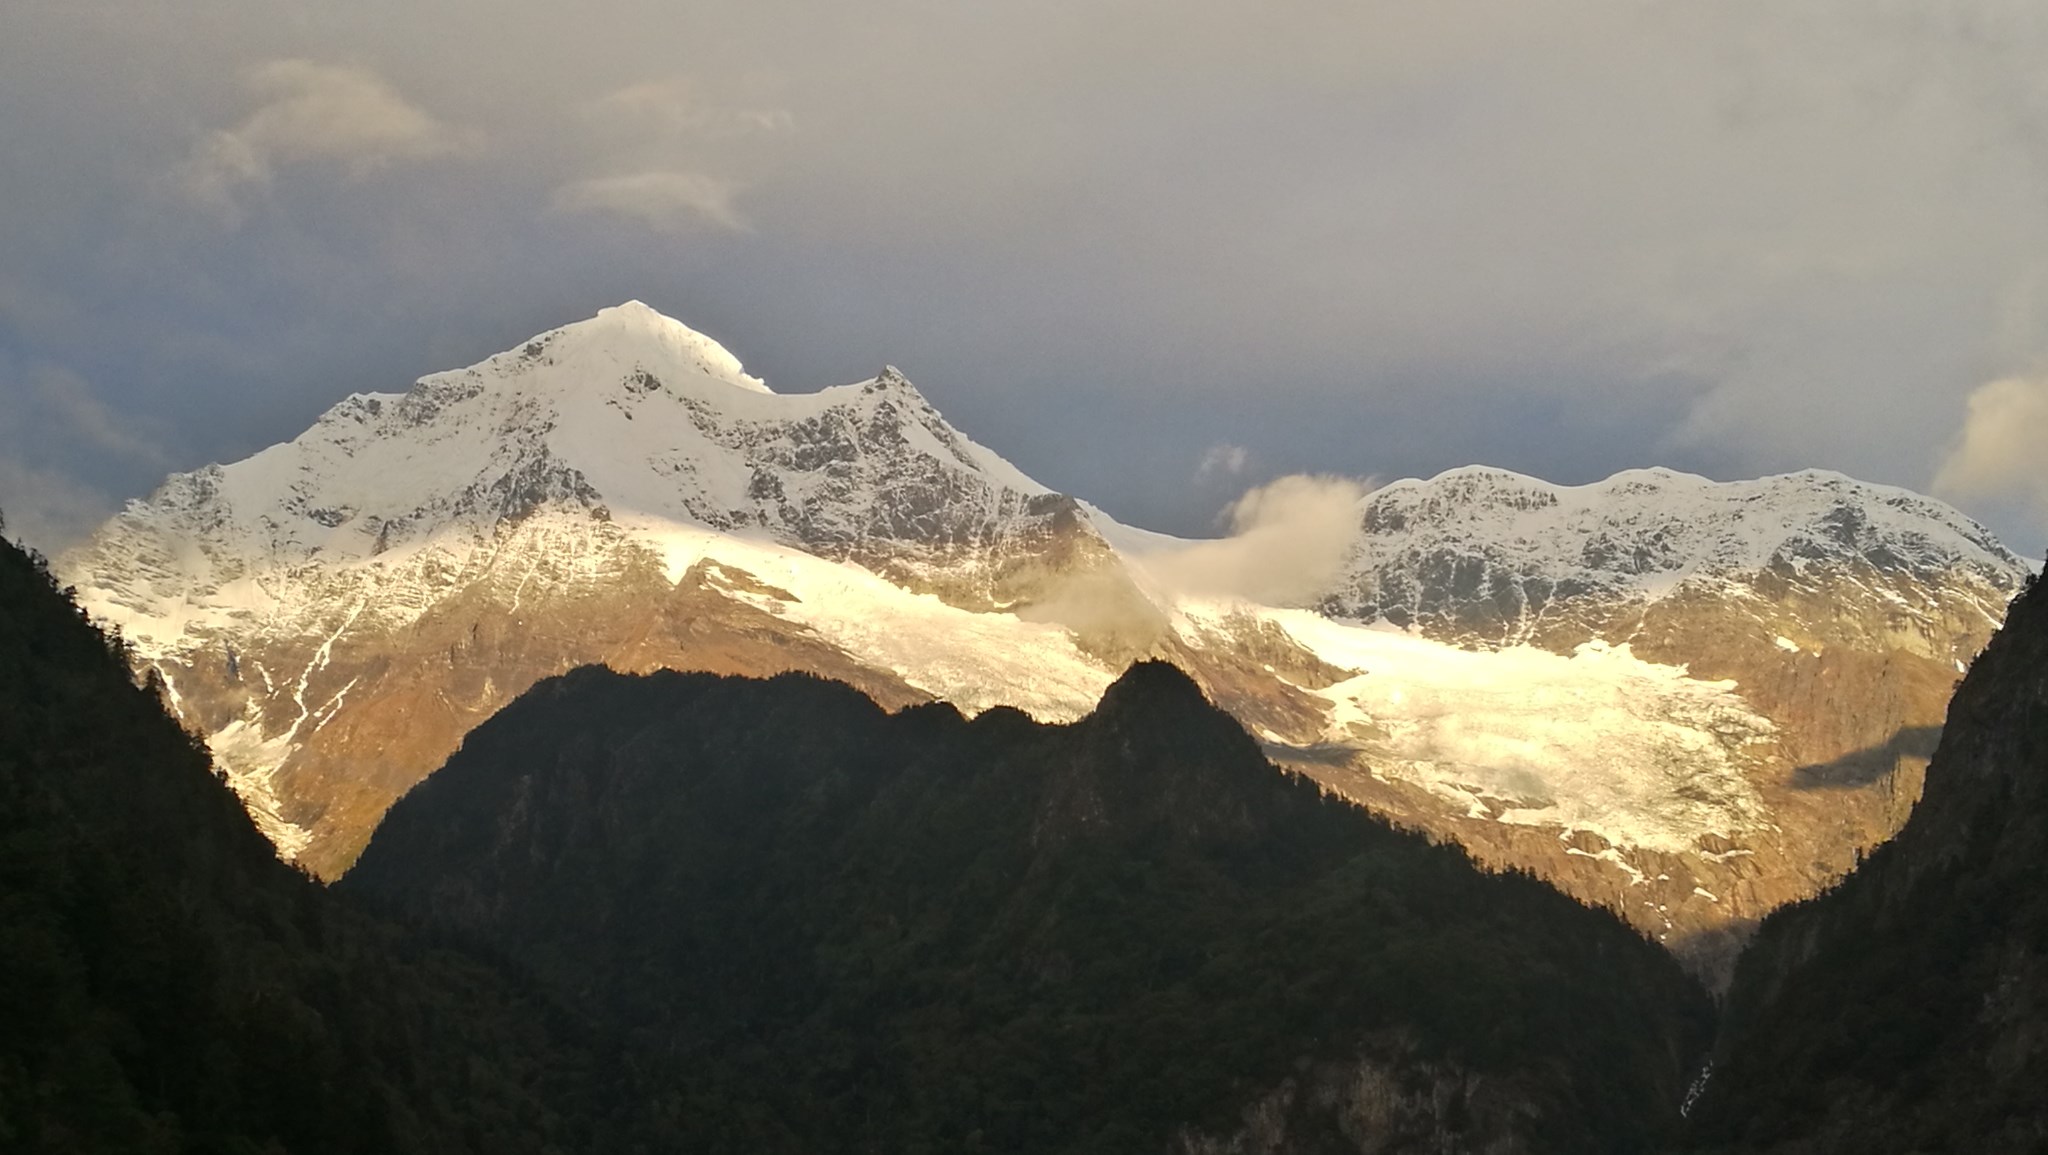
[1645,531]
[913,931]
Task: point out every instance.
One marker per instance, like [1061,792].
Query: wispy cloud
[1288,539]
[70,404]
[52,425]
[1223,460]
[674,106]
[659,149]
[309,112]
[2000,455]
[667,202]
[48,509]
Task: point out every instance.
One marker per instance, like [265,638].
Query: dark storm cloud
[1107,239]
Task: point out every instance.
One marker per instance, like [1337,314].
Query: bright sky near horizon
[1153,253]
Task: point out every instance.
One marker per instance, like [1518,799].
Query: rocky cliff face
[1905,1010]
[1642,690]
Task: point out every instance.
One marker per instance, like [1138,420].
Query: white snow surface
[974,660]
[1599,740]
[1522,542]
[630,414]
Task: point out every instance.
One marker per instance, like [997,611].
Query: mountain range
[668,910]
[1688,701]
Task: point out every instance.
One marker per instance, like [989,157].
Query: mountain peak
[891,378]
[635,333]
[1156,695]
[628,413]
[1154,680]
[633,308]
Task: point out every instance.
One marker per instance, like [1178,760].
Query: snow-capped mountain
[1488,556]
[630,415]
[562,489]
[1638,688]
[1839,612]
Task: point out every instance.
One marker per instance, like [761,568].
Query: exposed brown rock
[1858,708]
[411,697]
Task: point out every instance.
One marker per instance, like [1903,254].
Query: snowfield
[1599,740]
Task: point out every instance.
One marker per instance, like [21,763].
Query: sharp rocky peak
[632,335]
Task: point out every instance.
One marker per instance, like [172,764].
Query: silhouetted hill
[166,985]
[1907,1010]
[828,928]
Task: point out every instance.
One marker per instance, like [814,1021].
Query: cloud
[1288,539]
[48,509]
[672,106]
[1564,238]
[1224,459]
[70,403]
[659,144]
[667,202]
[314,113]
[47,408]
[2002,453]
[54,432]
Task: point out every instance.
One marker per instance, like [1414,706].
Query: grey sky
[1152,252]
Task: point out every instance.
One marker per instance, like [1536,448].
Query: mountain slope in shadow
[167,985]
[829,928]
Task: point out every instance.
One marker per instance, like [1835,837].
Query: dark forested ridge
[167,985]
[839,929]
[1907,1010]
